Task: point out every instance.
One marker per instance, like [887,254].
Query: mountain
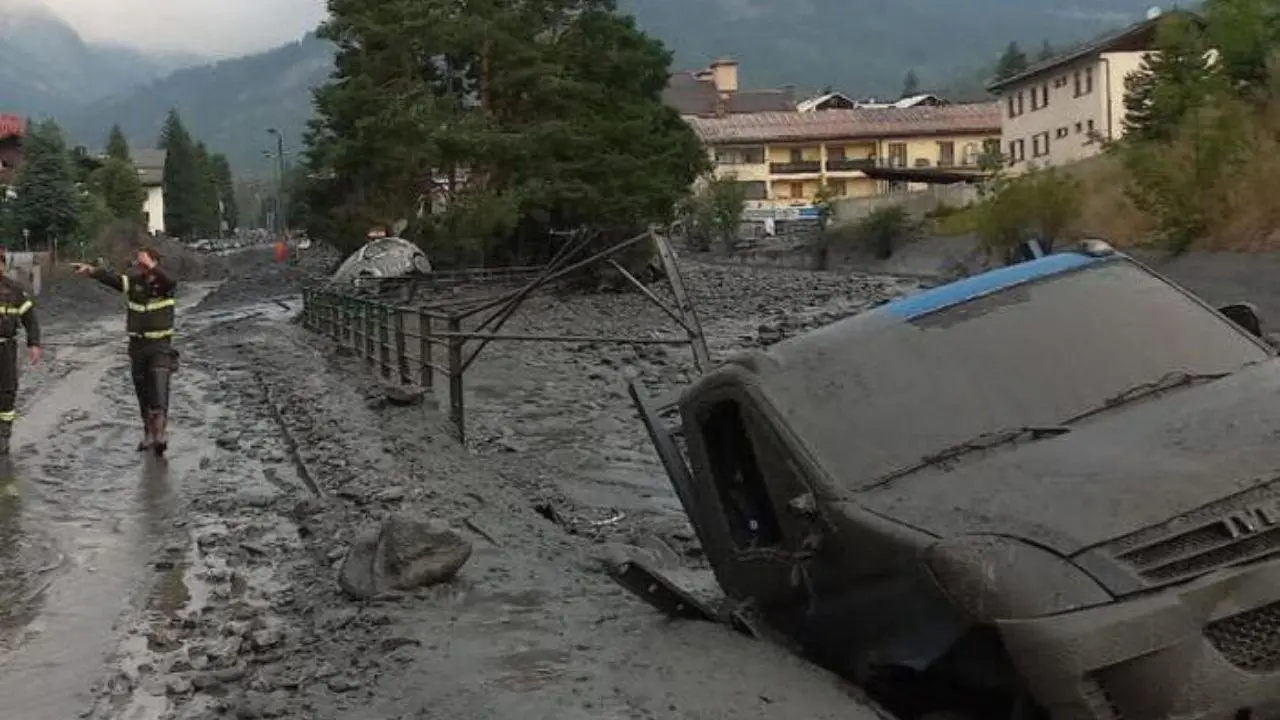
[863,47]
[47,69]
[866,47]
[229,104]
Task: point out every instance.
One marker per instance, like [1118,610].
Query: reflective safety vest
[14,304]
[150,315]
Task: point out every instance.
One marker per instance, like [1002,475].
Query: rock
[178,685]
[343,684]
[259,705]
[403,396]
[406,552]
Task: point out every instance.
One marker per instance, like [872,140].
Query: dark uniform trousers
[16,310]
[149,324]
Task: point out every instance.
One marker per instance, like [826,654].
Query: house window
[1017,151]
[897,155]
[1044,95]
[835,153]
[797,155]
[1062,132]
[1040,144]
[946,154]
[1089,127]
[1013,109]
[754,190]
[1060,81]
[1076,77]
[1088,80]
[1035,99]
[1079,128]
[1019,103]
[839,188]
[740,156]
[739,484]
[796,190]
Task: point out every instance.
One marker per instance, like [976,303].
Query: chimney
[724,72]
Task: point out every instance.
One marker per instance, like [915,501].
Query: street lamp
[280,217]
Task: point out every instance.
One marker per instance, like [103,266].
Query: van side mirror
[1245,315]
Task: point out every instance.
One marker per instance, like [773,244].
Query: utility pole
[280,212]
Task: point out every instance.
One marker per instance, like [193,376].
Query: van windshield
[1037,354]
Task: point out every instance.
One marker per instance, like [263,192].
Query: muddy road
[203,586]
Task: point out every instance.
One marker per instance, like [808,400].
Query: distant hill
[229,104]
[46,68]
[863,47]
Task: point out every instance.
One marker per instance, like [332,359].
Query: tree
[1046,52]
[910,84]
[492,128]
[225,184]
[1041,204]
[48,201]
[117,144]
[1246,34]
[1012,62]
[1170,82]
[182,179]
[117,182]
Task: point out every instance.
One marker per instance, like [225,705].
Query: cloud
[219,28]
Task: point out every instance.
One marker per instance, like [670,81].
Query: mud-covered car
[1048,491]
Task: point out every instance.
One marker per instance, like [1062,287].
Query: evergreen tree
[1246,34]
[48,201]
[182,180]
[514,119]
[1171,82]
[222,178]
[910,84]
[1012,62]
[1046,52]
[117,181]
[117,145]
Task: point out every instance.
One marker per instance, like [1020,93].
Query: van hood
[1126,469]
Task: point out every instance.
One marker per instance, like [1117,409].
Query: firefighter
[16,309]
[149,294]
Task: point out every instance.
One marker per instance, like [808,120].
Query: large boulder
[405,552]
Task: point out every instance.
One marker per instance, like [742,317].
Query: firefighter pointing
[149,293]
[16,309]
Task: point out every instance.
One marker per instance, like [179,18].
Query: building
[150,165]
[714,92]
[784,158]
[1066,108]
[12,129]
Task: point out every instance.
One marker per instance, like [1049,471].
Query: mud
[204,586]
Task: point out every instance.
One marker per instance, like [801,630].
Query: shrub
[1042,204]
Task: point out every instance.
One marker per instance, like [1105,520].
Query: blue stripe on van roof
[989,282]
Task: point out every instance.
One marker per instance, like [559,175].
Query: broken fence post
[424,348]
[456,405]
[402,355]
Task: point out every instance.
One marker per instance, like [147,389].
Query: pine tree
[1046,52]
[117,145]
[117,181]
[1171,82]
[230,215]
[182,180]
[48,200]
[910,84]
[519,118]
[1012,62]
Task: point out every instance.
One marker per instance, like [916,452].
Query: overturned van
[1048,491]
[382,258]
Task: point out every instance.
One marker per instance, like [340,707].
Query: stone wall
[847,211]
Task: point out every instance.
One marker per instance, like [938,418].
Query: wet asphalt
[201,586]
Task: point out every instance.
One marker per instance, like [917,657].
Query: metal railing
[403,343]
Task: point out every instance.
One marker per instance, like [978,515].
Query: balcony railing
[850,164]
[796,168]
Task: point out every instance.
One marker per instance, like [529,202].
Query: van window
[739,483]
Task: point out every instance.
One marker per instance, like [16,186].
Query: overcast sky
[209,27]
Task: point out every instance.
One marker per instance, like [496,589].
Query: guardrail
[404,343]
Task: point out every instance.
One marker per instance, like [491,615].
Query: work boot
[159,434]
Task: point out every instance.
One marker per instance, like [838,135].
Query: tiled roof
[859,123]
[690,96]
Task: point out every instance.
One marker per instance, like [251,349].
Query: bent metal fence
[414,330]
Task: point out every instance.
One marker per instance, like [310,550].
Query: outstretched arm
[31,324]
[102,275]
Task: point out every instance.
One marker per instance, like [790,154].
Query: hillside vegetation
[1197,166]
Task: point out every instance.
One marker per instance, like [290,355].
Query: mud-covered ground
[204,586]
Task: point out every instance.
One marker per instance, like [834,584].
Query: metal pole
[284,216]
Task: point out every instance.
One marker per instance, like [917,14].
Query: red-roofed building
[12,128]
